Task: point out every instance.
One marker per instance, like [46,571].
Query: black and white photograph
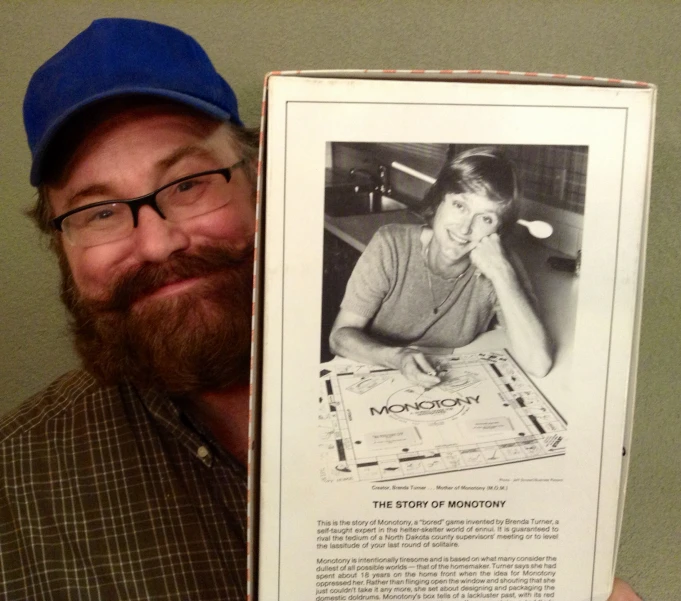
[432,251]
[450,295]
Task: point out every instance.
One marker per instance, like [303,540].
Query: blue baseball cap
[121,57]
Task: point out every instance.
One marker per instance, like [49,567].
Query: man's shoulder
[54,402]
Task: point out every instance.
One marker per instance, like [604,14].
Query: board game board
[376,425]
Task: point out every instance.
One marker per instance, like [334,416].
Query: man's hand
[621,591]
[416,368]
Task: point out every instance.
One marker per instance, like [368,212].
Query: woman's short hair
[484,170]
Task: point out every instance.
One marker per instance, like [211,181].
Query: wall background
[624,39]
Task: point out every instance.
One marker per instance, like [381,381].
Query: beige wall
[625,39]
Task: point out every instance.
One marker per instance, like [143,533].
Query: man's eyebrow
[163,165]
[93,190]
[180,153]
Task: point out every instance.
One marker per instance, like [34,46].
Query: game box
[448,287]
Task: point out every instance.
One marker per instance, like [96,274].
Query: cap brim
[196,103]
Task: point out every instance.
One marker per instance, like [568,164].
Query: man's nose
[156,238]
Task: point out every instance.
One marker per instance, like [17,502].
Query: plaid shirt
[109,494]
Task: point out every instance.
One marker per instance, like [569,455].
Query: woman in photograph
[440,285]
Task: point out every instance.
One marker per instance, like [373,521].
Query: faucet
[383,177]
[380,185]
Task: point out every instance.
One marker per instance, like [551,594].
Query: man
[126,480]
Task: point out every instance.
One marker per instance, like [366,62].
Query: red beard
[192,342]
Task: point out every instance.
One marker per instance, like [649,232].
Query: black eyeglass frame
[136,204]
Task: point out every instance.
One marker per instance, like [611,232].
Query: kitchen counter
[357,230]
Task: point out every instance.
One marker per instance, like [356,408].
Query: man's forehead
[147,118]
[159,136]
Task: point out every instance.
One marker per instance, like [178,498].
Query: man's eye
[101,215]
[188,185]
[106,216]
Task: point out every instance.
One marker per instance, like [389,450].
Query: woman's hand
[348,339]
[621,591]
[416,368]
[489,258]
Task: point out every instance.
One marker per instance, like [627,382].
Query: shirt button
[203,452]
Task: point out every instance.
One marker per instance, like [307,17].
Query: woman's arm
[529,342]
[349,339]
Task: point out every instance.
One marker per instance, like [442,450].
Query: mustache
[150,277]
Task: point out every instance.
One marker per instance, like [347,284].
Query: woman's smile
[457,238]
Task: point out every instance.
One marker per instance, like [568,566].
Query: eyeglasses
[112,220]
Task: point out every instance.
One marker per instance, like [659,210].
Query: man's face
[131,155]
[159,305]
